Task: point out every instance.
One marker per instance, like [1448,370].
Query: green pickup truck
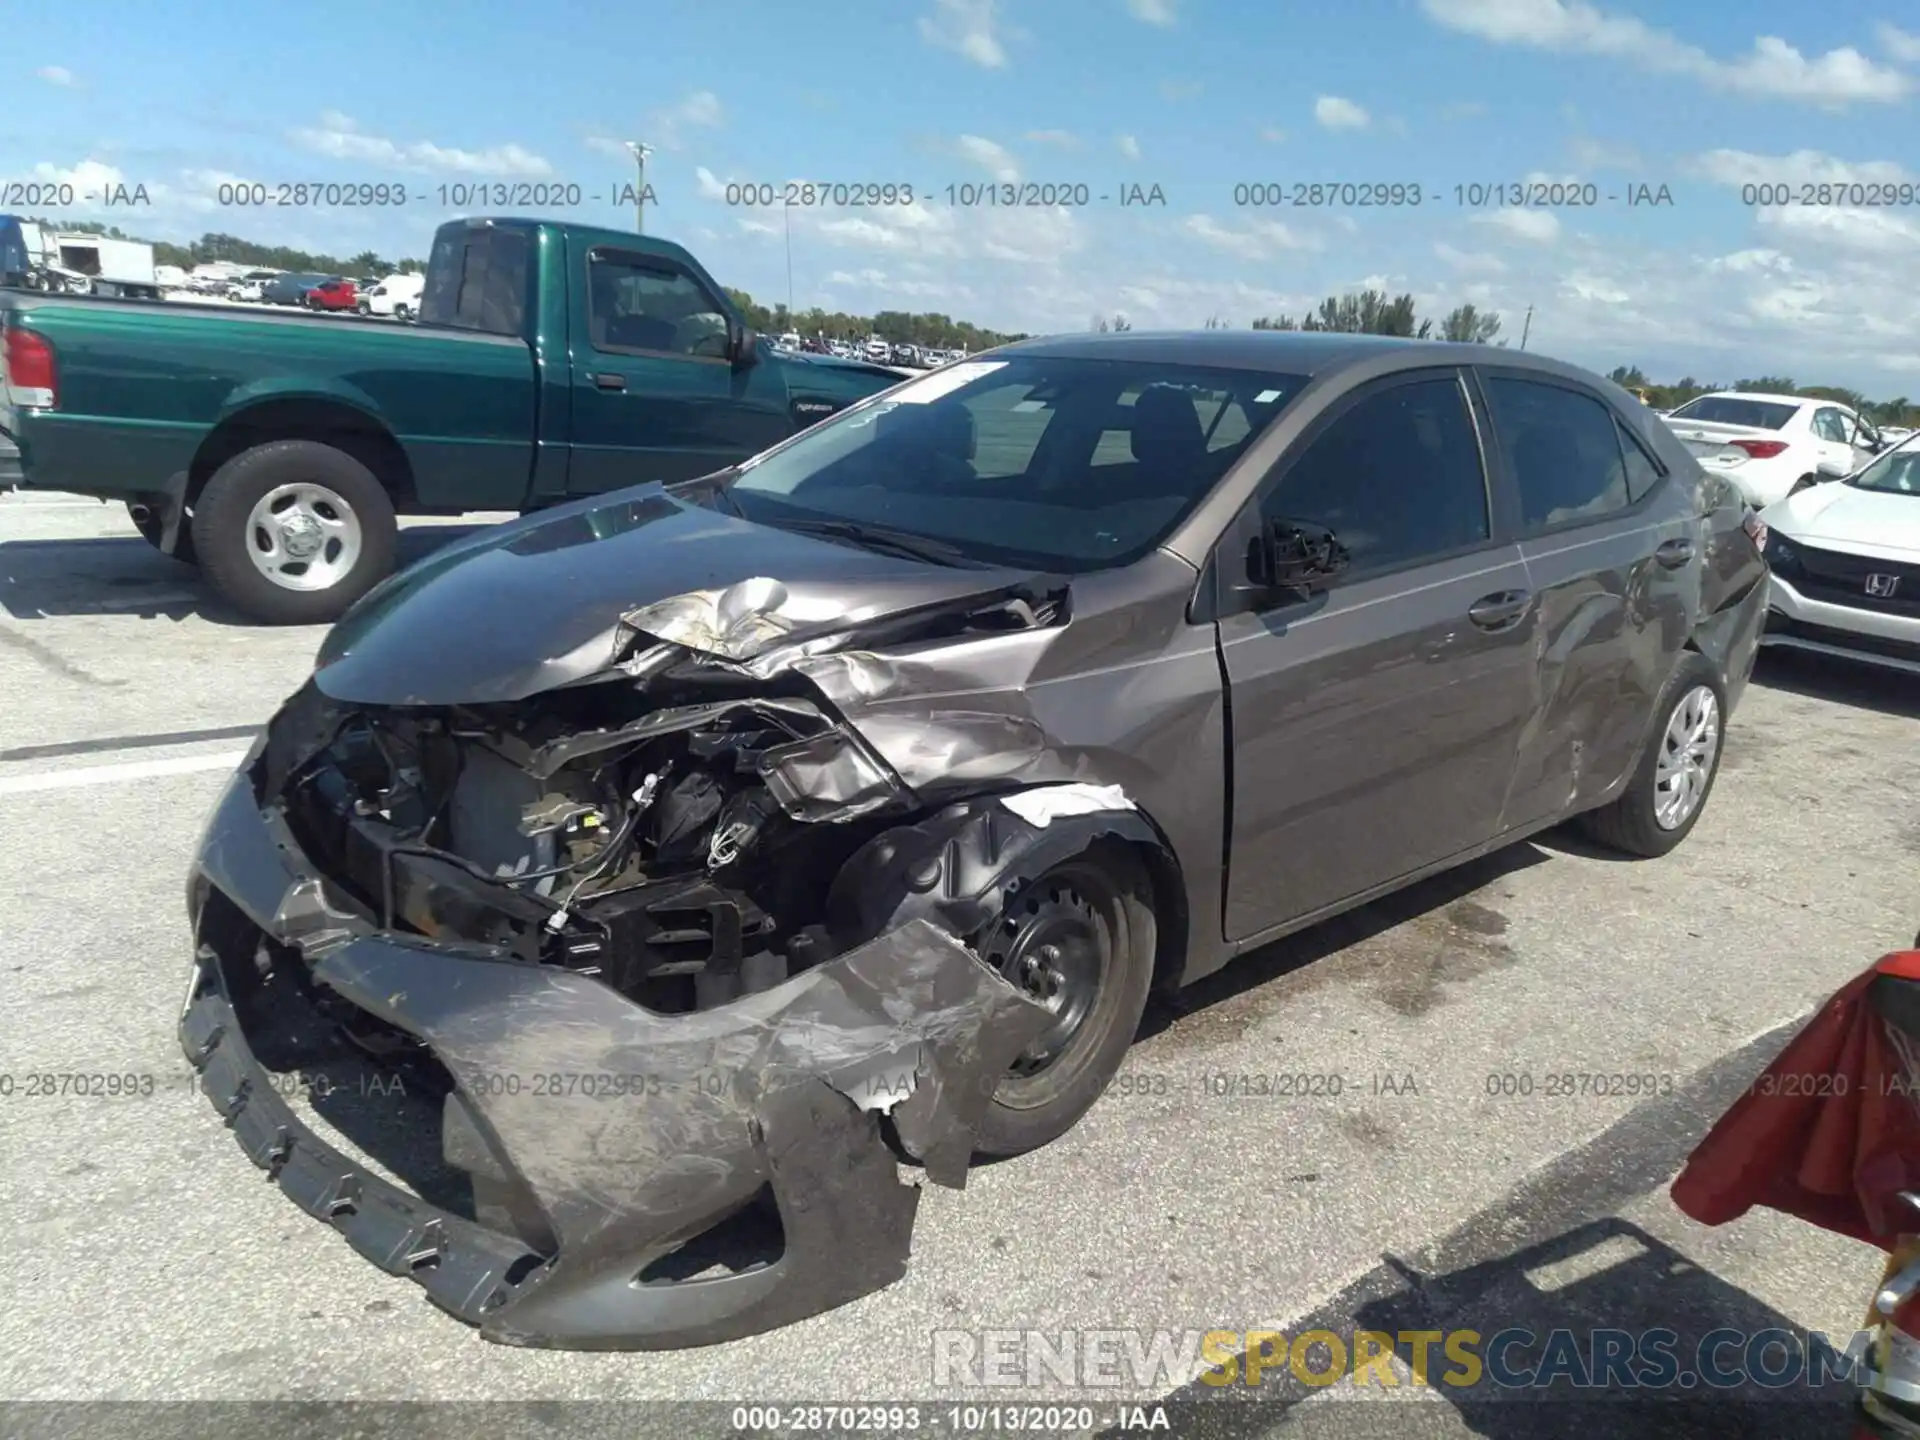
[275,450]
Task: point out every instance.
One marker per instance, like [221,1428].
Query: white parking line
[113,774]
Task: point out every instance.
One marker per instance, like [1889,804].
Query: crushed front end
[571,976]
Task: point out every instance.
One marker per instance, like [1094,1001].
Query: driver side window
[634,305]
[1397,478]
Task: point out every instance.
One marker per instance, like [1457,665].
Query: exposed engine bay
[675,857]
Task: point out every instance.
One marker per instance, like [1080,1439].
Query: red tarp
[1829,1133]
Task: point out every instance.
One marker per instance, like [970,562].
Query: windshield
[1895,473]
[1733,410]
[1037,461]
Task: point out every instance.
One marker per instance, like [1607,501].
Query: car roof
[1764,395]
[1312,353]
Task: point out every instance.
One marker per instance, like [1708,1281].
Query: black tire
[1631,824]
[1108,890]
[152,531]
[221,538]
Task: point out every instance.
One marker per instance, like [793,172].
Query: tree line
[1364,312]
[1898,411]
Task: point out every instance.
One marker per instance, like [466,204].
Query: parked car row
[874,350]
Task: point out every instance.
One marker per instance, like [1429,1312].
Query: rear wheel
[1080,939]
[1669,790]
[293,532]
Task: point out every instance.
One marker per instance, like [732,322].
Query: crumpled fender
[666,1125]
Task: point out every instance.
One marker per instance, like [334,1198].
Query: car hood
[561,595]
[1845,517]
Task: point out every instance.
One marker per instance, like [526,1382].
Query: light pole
[640,152]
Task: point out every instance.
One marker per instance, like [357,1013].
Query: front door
[654,394]
[1374,726]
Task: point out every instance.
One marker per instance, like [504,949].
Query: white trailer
[122,268]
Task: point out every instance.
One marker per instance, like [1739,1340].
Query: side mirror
[1830,470]
[743,346]
[1295,555]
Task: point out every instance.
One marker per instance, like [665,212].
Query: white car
[1845,563]
[244,290]
[1773,445]
[397,295]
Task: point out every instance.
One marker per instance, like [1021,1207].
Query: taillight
[1756,529]
[1760,449]
[30,374]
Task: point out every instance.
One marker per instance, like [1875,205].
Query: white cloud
[991,157]
[1334,113]
[1469,262]
[1773,68]
[1064,139]
[1746,262]
[56,75]
[1128,146]
[1862,231]
[750,226]
[607,145]
[712,187]
[1257,241]
[1541,227]
[1900,44]
[1802,167]
[89,177]
[968,28]
[340,137]
[699,110]
[1153,12]
[1591,154]
[1272,134]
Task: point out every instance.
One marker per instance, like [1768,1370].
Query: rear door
[654,395]
[1834,434]
[1373,726]
[1613,552]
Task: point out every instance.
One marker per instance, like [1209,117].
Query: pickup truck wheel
[293,532]
[1080,939]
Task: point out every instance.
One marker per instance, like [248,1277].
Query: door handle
[607,380]
[1675,553]
[1501,610]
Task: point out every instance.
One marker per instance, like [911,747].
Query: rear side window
[1563,449]
[477,279]
[1830,424]
[1642,473]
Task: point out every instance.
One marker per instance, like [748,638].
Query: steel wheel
[1688,751]
[1056,942]
[303,536]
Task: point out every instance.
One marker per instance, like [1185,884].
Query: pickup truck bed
[276,448]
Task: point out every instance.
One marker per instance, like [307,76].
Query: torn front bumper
[600,1138]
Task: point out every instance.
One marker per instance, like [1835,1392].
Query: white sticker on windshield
[1266,397]
[1027,407]
[944,382]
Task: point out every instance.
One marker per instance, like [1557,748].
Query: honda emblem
[1882,586]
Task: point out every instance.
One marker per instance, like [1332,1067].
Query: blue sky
[1194,96]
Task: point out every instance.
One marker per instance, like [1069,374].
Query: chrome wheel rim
[303,536]
[1688,751]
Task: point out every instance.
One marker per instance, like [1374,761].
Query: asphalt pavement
[1413,1184]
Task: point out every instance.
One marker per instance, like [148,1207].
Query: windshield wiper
[881,539]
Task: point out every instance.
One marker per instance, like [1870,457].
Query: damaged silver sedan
[703,855]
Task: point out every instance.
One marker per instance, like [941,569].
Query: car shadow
[1283,957]
[124,575]
[1630,1336]
[1845,682]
